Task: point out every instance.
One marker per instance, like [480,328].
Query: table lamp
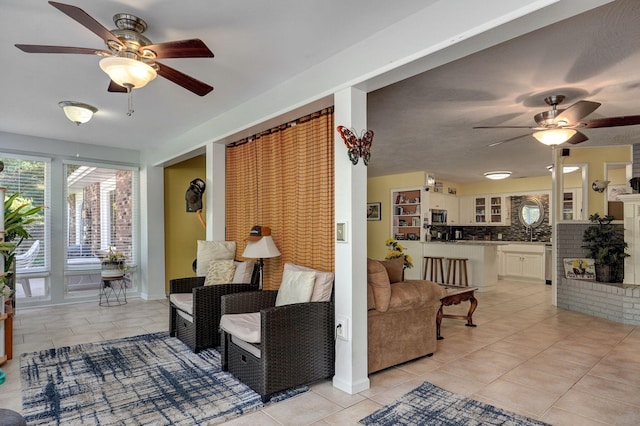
[260,246]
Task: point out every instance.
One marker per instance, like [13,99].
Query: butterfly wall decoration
[357,147]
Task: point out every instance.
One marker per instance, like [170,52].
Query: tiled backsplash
[515,232]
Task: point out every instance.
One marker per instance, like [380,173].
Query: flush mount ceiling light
[554,136]
[77,112]
[565,169]
[497,175]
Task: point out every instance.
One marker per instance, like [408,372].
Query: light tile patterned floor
[525,355]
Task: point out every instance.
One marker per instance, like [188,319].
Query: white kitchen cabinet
[493,210]
[572,204]
[466,210]
[441,201]
[522,262]
[436,200]
[451,205]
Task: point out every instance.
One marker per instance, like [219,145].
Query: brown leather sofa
[401,315]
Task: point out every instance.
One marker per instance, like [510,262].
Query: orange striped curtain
[283,179]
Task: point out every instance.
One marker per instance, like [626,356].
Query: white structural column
[632,238]
[215,193]
[351,254]
[152,277]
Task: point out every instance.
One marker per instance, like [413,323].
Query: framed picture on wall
[374,211]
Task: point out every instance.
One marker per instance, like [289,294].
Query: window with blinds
[101,212]
[28,176]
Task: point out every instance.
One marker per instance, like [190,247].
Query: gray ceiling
[421,124]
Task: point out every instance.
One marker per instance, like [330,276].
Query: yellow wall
[596,158]
[182,229]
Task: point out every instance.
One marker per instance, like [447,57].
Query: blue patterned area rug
[430,405]
[151,379]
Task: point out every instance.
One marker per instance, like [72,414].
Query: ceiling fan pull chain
[130,96]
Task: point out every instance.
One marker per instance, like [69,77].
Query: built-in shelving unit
[406,223]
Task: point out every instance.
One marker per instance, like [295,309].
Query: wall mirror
[531,212]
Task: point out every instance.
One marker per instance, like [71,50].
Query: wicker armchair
[297,343]
[199,327]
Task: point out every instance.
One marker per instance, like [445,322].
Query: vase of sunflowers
[396,250]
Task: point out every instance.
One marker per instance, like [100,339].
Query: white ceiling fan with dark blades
[557,126]
[130,58]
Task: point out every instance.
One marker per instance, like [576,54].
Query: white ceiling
[420,124]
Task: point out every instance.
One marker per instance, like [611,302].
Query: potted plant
[113,264]
[606,246]
[18,214]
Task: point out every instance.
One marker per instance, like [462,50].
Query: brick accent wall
[615,302]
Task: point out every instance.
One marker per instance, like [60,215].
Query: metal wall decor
[357,147]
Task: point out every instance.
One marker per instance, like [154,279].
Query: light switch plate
[341,232]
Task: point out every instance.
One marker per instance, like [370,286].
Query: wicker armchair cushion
[323,284]
[296,287]
[182,301]
[220,272]
[213,250]
[243,326]
[244,272]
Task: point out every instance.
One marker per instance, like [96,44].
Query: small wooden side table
[454,298]
[7,317]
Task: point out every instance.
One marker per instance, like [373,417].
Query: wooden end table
[454,298]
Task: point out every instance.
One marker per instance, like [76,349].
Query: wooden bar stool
[459,264]
[433,265]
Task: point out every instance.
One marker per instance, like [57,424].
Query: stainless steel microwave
[438,217]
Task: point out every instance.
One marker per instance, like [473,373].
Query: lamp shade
[554,136]
[261,249]
[77,112]
[128,72]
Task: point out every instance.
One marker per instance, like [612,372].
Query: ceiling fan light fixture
[128,72]
[553,137]
[497,175]
[77,112]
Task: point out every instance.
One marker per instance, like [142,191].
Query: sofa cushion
[322,286]
[395,268]
[415,294]
[296,287]
[378,280]
[220,272]
[371,301]
[213,250]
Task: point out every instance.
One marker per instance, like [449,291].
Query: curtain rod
[306,118]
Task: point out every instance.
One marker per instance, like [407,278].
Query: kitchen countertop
[484,242]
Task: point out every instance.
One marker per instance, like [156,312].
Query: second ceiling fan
[557,126]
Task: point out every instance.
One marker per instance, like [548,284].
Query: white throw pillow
[296,287]
[220,272]
[213,250]
[244,271]
[322,286]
